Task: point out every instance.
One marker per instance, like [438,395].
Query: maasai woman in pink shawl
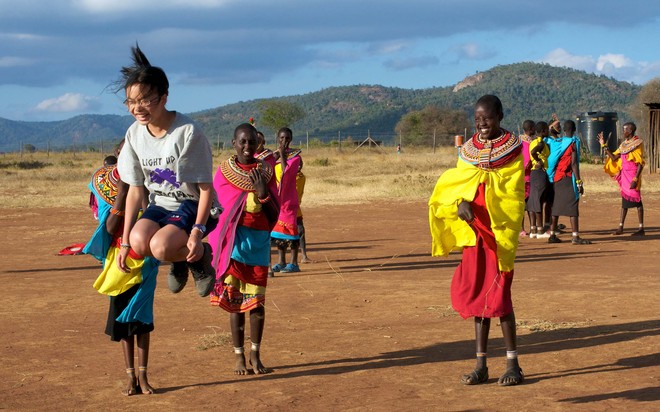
[625,166]
[285,233]
[247,191]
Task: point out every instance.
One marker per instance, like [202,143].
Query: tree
[418,127]
[650,93]
[29,148]
[279,113]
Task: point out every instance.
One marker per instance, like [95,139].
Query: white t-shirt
[171,166]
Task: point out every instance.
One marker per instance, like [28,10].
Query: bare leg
[622,220]
[513,374]
[480,372]
[237,323]
[294,254]
[257,321]
[143,361]
[127,346]
[281,255]
[303,249]
[640,217]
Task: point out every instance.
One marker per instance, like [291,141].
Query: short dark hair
[632,125]
[492,101]
[285,129]
[246,127]
[528,125]
[569,125]
[541,126]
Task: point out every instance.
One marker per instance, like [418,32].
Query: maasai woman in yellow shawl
[625,166]
[478,207]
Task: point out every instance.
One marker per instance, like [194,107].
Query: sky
[60,58]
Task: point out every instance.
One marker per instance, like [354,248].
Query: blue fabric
[251,246]
[141,306]
[100,241]
[557,148]
[278,235]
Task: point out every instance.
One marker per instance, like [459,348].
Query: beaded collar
[290,153]
[105,181]
[487,154]
[263,155]
[239,177]
[629,145]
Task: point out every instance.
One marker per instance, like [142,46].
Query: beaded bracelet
[265,200]
[116,212]
[124,245]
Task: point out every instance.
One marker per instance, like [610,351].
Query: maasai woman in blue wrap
[131,294]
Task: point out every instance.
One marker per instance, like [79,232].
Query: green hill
[527,90]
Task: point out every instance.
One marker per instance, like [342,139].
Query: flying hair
[142,72]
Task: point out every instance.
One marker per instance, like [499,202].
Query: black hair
[246,127]
[285,129]
[569,125]
[632,125]
[528,125]
[490,100]
[540,127]
[142,72]
[110,160]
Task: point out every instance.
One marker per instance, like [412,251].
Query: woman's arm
[194,244]
[133,202]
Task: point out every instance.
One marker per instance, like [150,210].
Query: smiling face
[144,103]
[245,143]
[487,121]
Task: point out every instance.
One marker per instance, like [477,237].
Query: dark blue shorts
[183,218]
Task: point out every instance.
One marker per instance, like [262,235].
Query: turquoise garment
[251,246]
[100,241]
[557,149]
[141,306]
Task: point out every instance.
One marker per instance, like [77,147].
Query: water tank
[589,124]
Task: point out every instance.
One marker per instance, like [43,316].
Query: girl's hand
[257,180]
[195,247]
[465,212]
[121,259]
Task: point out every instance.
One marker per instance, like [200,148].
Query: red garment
[478,288]
[564,166]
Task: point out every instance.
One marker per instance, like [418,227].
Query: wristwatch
[199,227]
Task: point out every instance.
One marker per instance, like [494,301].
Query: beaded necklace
[629,145]
[239,177]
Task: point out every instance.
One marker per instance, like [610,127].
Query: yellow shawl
[505,194]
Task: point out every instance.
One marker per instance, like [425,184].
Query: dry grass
[333,177]
[213,340]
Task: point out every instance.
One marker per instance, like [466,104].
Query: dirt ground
[368,326]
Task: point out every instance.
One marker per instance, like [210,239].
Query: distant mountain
[527,90]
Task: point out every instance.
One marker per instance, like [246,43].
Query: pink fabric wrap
[625,177]
[222,237]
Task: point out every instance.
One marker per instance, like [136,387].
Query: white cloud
[610,64]
[472,51]
[411,63]
[69,102]
[114,6]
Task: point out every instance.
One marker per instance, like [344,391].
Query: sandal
[518,377]
[290,268]
[640,232]
[475,377]
[277,267]
[579,241]
[554,239]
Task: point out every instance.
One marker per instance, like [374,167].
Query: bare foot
[144,382]
[305,259]
[618,232]
[240,368]
[257,366]
[131,386]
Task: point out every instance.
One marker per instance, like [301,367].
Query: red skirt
[478,288]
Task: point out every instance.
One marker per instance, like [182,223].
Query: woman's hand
[601,138]
[465,212]
[259,183]
[121,259]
